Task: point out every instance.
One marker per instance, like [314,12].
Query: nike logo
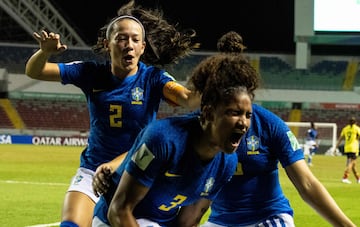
[168,174]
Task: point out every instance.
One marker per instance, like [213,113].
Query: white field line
[45,225]
[31,182]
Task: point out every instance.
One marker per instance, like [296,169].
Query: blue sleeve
[148,156]
[158,77]
[285,144]
[78,73]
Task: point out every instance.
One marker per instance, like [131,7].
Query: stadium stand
[331,68]
[4,120]
[283,113]
[277,72]
[323,75]
[53,114]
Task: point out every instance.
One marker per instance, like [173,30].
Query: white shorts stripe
[279,220]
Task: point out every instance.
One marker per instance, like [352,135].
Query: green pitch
[33,182]
[34,179]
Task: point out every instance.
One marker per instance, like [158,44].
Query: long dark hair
[166,43]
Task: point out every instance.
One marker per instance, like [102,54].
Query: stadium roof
[19,18]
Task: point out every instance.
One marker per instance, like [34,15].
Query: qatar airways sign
[59,141]
[43,140]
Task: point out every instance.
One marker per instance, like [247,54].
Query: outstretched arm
[316,195]
[38,67]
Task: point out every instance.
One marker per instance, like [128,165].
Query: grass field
[33,180]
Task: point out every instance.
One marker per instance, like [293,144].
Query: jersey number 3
[179,199]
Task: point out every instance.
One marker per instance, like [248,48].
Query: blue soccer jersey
[163,159]
[119,108]
[311,134]
[254,192]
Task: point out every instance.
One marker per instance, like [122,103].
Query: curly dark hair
[231,42]
[167,44]
[214,76]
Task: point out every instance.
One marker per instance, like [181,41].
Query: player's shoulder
[172,125]
[266,123]
[357,129]
[261,110]
[230,158]
[78,65]
[149,69]
[262,114]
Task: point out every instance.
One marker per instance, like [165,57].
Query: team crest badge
[77,179]
[252,143]
[137,96]
[208,186]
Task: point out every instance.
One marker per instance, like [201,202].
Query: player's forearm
[182,96]
[320,200]
[116,162]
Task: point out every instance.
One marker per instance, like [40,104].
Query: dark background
[266,26]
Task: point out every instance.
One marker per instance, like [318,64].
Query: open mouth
[128,58]
[235,138]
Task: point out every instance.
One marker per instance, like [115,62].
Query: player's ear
[208,113]
[106,44]
[143,47]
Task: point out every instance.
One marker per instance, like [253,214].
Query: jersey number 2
[115,116]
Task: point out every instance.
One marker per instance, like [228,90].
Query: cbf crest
[208,186]
[77,179]
[137,96]
[252,144]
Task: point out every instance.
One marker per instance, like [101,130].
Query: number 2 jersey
[118,108]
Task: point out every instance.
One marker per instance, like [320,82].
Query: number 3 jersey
[163,160]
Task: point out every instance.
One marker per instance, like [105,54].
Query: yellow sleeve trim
[172,90]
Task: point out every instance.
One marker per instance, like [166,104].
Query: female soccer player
[123,94]
[254,196]
[351,134]
[178,164]
[311,144]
